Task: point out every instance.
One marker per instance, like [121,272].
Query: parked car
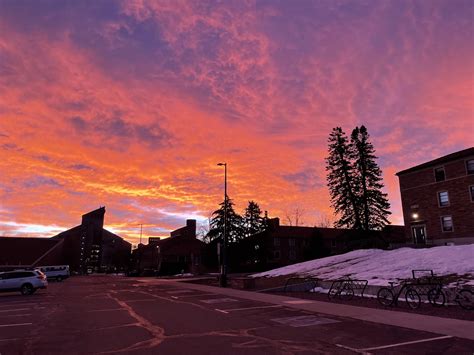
[25,281]
[57,272]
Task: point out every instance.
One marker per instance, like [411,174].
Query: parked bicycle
[388,296]
[462,296]
[342,289]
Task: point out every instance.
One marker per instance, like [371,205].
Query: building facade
[87,246]
[180,253]
[438,200]
[91,247]
[281,245]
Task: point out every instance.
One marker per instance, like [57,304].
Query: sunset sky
[130,104]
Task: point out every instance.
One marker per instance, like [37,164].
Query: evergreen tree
[234,223]
[252,219]
[368,179]
[340,177]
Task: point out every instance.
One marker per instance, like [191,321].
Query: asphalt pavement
[102,314]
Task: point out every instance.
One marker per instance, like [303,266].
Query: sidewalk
[445,326]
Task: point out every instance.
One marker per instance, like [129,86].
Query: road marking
[364,350]
[14,325]
[202,294]
[16,315]
[299,302]
[141,300]
[243,309]
[14,310]
[176,292]
[218,300]
[304,321]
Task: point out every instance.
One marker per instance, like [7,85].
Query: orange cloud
[134,110]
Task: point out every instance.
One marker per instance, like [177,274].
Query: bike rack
[356,285]
[425,283]
[303,284]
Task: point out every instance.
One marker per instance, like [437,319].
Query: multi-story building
[281,245]
[438,200]
[88,246]
[181,252]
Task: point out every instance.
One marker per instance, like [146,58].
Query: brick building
[281,245]
[86,246]
[438,200]
[181,252]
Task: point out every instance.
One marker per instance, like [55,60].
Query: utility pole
[141,231]
[223,278]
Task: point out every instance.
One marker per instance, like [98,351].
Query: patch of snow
[381,266]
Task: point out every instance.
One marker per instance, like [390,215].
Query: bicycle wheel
[346,294]
[465,299]
[413,298]
[436,297]
[332,293]
[385,296]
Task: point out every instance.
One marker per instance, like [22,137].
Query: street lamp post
[223,277]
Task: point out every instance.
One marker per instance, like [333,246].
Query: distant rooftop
[447,158]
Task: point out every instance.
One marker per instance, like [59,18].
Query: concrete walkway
[445,326]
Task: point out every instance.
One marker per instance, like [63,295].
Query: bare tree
[295,216]
[204,228]
[323,221]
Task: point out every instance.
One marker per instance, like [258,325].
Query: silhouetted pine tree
[340,178]
[234,223]
[368,179]
[252,219]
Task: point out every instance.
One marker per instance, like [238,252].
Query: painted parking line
[304,321]
[15,315]
[196,295]
[177,292]
[299,302]
[14,325]
[218,300]
[244,309]
[14,310]
[365,350]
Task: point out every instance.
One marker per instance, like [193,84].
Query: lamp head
[221,164]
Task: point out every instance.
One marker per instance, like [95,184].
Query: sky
[131,104]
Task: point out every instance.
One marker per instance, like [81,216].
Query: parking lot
[113,314]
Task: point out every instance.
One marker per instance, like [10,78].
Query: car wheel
[26,289]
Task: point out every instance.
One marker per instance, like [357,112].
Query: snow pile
[381,266]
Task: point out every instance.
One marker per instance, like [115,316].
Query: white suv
[25,281]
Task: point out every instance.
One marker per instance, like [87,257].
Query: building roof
[24,251]
[447,158]
[109,235]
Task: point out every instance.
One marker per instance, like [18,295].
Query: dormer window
[439,174]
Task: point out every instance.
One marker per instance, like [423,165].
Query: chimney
[191,227]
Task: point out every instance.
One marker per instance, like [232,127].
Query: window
[276,242]
[415,206]
[292,255]
[333,243]
[276,254]
[471,192]
[439,174]
[447,223]
[291,242]
[470,166]
[443,198]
